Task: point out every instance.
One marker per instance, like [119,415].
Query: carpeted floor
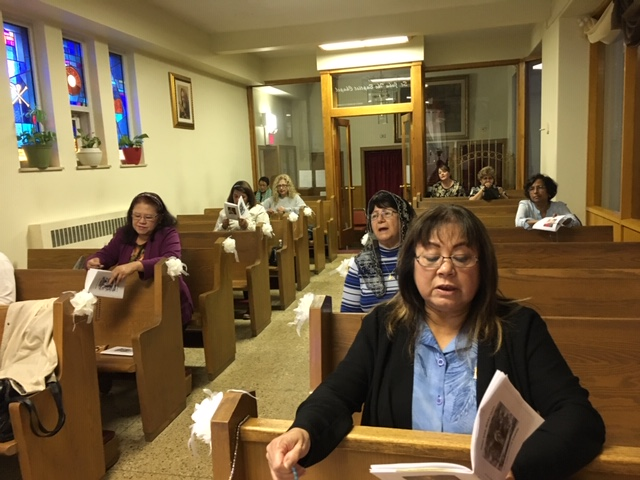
[275,364]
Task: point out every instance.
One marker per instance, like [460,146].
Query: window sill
[31,169]
[129,165]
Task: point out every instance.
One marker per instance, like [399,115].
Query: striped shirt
[357,297]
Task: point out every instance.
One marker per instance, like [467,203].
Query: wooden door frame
[330,111]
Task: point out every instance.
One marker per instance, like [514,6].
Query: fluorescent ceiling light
[372,42]
[394,79]
[537,66]
[273,91]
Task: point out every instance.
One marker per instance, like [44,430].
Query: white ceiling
[288,27]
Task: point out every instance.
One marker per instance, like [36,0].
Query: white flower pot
[90,157]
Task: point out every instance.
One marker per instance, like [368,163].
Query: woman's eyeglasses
[386,214]
[435,261]
[282,185]
[147,218]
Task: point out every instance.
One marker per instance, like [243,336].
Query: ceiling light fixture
[537,66]
[371,42]
[393,79]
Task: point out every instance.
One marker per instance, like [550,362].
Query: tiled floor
[275,364]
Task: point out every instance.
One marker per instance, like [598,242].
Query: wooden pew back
[283,274]
[465,202]
[600,352]
[592,233]
[568,255]
[317,245]
[82,430]
[63,258]
[481,208]
[576,292]
[362,447]
[210,284]
[250,272]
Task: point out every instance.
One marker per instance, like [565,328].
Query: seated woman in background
[7,281]
[371,278]
[286,199]
[257,213]
[149,234]
[447,186]
[264,191]
[539,190]
[487,190]
[424,360]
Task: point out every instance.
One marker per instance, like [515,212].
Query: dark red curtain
[383,171]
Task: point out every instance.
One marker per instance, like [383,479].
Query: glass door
[342,129]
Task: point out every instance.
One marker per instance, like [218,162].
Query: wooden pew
[481,209]
[568,255]
[592,233]
[331,230]
[579,292]
[317,244]
[250,273]
[147,319]
[283,275]
[301,243]
[202,225]
[600,351]
[465,202]
[236,420]
[51,458]
[213,211]
[210,284]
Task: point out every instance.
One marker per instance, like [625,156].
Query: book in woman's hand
[503,422]
[551,224]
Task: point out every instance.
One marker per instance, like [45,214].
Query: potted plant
[89,153]
[132,148]
[38,143]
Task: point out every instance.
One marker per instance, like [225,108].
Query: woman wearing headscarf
[371,278]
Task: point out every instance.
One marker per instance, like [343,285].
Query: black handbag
[9,395]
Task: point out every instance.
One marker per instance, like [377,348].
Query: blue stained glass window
[23,93]
[119,94]
[75,72]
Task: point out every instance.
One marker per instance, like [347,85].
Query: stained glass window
[119,94]
[75,73]
[23,93]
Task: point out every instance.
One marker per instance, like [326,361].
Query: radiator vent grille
[87,231]
[93,231]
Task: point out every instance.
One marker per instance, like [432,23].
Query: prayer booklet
[235,212]
[97,282]
[551,224]
[123,351]
[503,422]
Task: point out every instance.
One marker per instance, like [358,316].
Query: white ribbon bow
[175,267]
[302,311]
[229,246]
[83,303]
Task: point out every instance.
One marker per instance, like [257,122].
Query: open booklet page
[235,212]
[97,282]
[551,224]
[503,422]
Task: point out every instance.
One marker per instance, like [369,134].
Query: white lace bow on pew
[307,211]
[83,303]
[202,415]
[175,267]
[267,230]
[293,217]
[229,246]
[343,268]
[302,312]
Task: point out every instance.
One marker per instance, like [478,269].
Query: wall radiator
[93,231]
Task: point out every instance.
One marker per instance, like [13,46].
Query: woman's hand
[281,209]
[283,453]
[94,262]
[123,271]
[225,224]
[243,223]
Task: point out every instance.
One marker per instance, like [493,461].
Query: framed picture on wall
[181,101]
[447,102]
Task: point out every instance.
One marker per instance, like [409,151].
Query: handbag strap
[36,425]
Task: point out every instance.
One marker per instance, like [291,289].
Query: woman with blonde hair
[286,200]
[487,190]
